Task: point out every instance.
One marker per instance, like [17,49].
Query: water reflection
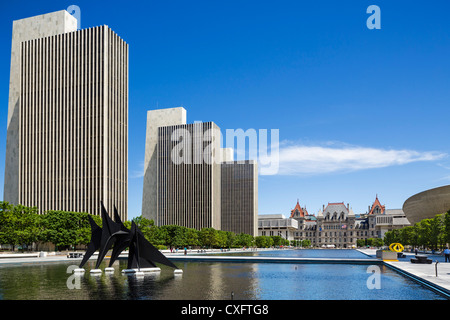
[206,281]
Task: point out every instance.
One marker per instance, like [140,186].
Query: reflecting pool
[212,281]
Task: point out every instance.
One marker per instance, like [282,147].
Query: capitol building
[335,226]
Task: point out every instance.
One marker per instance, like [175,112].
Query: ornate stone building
[337,226]
[384,219]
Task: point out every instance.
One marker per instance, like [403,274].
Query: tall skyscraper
[182,171]
[155,119]
[67,139]
[239,197]
[189,175]
[183,182]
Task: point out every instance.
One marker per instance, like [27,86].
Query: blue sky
[360,112]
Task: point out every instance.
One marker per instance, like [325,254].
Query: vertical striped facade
[239,197]
[188,193]
[73,122]
[191,181]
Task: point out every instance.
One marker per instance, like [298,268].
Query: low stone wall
[386,255]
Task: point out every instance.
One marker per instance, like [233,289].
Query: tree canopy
[428,233]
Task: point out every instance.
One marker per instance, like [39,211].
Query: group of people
[445,253]
[176,250]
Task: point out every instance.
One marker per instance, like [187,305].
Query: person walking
[447,254]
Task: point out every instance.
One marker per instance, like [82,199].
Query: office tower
[189,175]
[239,197]
[67,139]
[182,171]
[183,182]
[155,119]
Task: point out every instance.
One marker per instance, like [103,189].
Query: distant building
[188,192]
[277,225]
[239,197]
[337,226]
[156,119]
[382,220]
[298,213]
[191,181]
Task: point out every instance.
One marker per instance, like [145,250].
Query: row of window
[336,234]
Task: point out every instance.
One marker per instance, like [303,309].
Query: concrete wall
[156,118]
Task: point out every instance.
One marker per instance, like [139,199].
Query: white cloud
[138,173]
[297,159]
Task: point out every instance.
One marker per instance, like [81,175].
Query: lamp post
[436,267]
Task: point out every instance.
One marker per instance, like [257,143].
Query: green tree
[152,233]
[222,238]
[446,228]
[174,235]
[431,233]
[436,228]
[392,236]
[277,240]
[264,241]
[306,243]
[65,229]
[406,235]
[19,225]
[260,241]
[377,242]
[361,242]
[191,236]
[208,237]
[423,229]
[83,231]
[230,238]
[244,240]
[414,237]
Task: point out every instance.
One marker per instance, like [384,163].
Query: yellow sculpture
[396,247]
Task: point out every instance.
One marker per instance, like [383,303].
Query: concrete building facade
[188,176]
[277,225]
[67,138]
[155,119]
[190,181]
[239,197]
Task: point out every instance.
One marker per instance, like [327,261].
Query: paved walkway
[18,260]
[426,272]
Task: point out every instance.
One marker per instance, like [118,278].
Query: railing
[277,223]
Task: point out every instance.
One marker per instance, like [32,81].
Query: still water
[211,280]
